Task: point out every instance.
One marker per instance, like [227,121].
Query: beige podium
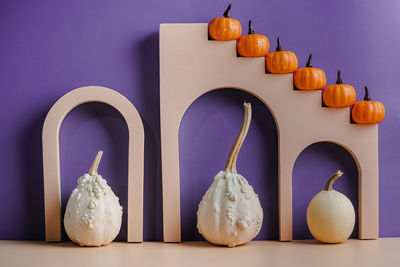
[51,157]
[191,65]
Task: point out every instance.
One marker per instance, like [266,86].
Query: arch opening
[85,130]
[207,132]
[51,157]
[308,180]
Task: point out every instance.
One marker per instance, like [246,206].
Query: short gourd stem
[366,97]
[95,164]
[226,13]
[251,29]
[339,77]
[309,61]
[232,158]
[329,184]
[279,47]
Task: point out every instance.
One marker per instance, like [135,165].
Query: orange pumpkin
[339,95]
[368,111]
[225,28]
[309,78]
[252,44]
[281,61]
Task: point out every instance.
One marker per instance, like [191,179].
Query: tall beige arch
[51,157]
[191,65]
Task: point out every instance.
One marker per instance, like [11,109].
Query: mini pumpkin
[309,78]
[93,214]
[252,44]
[281,61]
[339,95]
[225,28]
[230,212]
[330,214]
[368,111]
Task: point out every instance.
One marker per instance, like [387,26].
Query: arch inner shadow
[312,169]
[207,132]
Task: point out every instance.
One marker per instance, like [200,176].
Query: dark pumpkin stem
[251,30]
[226,13]
[339,77]
[309,61]
[279,47]
[366,97]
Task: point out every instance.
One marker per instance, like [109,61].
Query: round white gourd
[230,212]
[330,214]
[93,215]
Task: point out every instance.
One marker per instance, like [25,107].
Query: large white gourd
[230,212]
[330,214]
[93,215]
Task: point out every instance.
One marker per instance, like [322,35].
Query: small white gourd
[330,214]
[230,212]
[93,215]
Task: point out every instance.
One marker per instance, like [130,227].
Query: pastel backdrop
[48,48]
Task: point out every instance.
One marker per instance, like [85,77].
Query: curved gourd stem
[95,164]
[279,47]
[232,158]
[226,13]
[366,97]
[329,184]
[339,77]
[309,61]
[251,30]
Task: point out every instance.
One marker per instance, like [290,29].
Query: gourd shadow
[309,181]
[207,132]
[85,130]
[147,52]
[31,179]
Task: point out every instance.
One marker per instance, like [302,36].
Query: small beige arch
[191,65]
[51,157]
[368,186]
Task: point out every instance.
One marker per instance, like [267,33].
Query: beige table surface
[382,252]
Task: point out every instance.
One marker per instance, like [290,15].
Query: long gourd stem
[236,145]
[232,158]
[329,184]
[95,164]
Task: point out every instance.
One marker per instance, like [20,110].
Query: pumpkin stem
[95,165]
[309,61]
[366,97]
[339,77]
[232,158]
[251,30]
[329,184]
[226,13]
[279,47]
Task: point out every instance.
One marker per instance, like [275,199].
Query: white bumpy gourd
[230,212]
[93,215]
[330,214]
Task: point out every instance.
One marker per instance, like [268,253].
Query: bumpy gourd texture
[230,212]
[93,215]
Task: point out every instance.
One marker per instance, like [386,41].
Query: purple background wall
[48,48]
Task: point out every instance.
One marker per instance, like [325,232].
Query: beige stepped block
[191,65]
